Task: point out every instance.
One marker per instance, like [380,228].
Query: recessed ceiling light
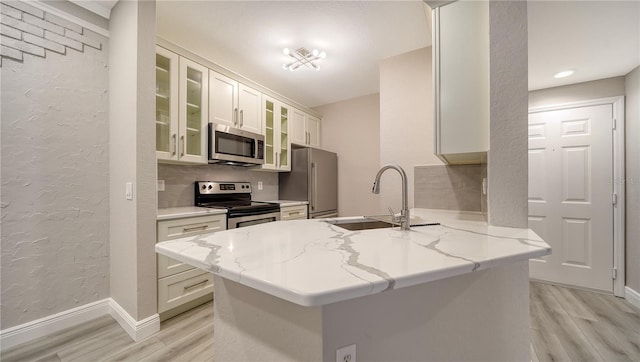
[564,73]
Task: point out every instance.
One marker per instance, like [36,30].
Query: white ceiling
[598,39]
[248,38]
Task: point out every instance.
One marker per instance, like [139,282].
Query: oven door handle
[250,212]
[233,221]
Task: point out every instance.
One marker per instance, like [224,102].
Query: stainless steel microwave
[232,146]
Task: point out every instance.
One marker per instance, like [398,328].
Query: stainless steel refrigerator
[313,178]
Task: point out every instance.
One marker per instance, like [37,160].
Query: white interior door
[570,194]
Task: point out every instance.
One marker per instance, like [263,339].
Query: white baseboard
[26,332]
[632,296]
[137,330]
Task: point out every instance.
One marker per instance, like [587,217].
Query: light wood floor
[186,337]
[566,325]
[577,325]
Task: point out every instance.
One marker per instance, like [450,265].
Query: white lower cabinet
[178,289]
[179,284]
[293,212]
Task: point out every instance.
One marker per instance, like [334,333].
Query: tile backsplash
[449,187]
[179,181]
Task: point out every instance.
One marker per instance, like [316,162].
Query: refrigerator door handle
[314,185]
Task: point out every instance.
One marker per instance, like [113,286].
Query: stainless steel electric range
[236,198]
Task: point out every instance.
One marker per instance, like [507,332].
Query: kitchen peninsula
[300,290]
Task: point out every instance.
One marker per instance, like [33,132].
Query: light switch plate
[160,185]
[128,193]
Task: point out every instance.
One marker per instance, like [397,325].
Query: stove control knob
[210,187]
[204,187]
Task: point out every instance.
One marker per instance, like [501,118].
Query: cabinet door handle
[175,146]
[241,117]
[182,147]
[195,228]
[235,116]
[187,287]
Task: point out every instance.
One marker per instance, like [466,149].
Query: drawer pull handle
[196,284]
[294,213]
[195,228]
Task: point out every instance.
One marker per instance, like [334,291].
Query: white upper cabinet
[223,99]
[313,129]
[305,129]
[461,79]
[166,104]
[234,104]
[194,109]
[276,135]
[181,108]
[250,105]
[298,127]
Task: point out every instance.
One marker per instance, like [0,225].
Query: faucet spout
[404,213]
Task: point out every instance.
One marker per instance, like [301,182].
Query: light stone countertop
[312,262]
[285,203]
[187,211]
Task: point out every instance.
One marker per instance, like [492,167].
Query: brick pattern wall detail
[25,29]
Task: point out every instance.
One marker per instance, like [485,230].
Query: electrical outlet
[260,185]
[346,353]
[160,185]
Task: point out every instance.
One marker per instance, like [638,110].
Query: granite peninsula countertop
[313,263]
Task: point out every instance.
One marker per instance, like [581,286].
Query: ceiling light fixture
[564,73]
[303,56]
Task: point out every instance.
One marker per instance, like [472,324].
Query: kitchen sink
[372,222]
[361,224]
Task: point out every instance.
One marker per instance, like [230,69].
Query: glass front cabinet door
[194,112]
[181,108]
[166,104]
[276,132]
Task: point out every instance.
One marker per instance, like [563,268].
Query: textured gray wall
[54,164]
[508,156]
[179,181]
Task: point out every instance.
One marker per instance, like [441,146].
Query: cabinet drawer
[169,266]
[293,212]
[179,228]
[181,288]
